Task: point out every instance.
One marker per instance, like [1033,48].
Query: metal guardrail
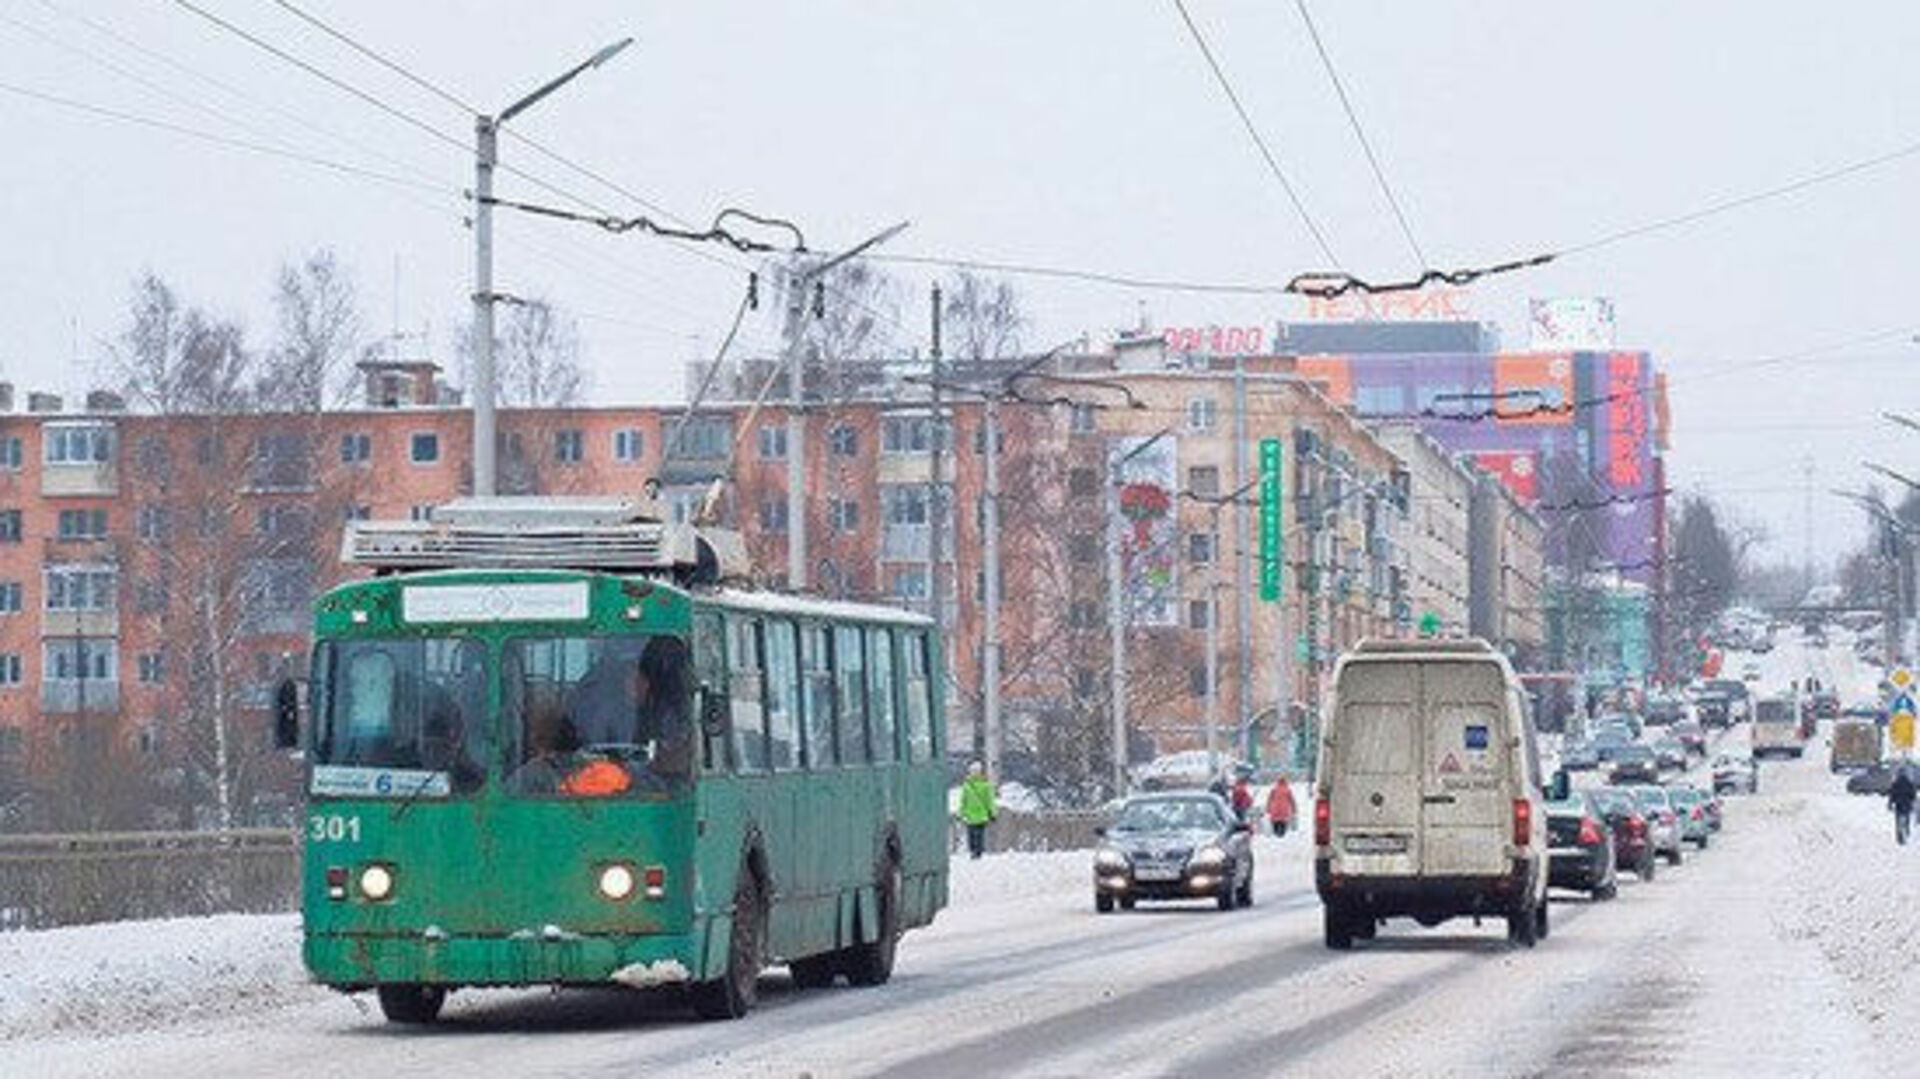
[1047,830]
[55,880]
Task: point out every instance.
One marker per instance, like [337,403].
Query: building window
[704,437]
[1081,419]
[1083,482]
[1085,682]
[627,444]
[773,442]
[11,456]
[906,434]
[151,521]
[10,526]
[153,668]
[1200,412]
[1383,400]
[1196,614]
[79,444]
[10,674]
[568,446]
[1084,548]
[421,512]
[1197,681]
[980,440]
[424,448]
[1200,548]
[910,583]
[355,449]
[773,513]
[844,441]
[1083,614]
[81,588]
[844,514]
[147,739]
[84,658]
[208,450]
[1203,481]
[83,524]
[359,513]
[150,596]
[10,593]
[12,743]
[276,520]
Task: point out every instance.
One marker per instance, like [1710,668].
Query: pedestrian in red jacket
[1280,805]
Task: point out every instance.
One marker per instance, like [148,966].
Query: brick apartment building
[156,571]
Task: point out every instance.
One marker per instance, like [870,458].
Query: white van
[1429,800]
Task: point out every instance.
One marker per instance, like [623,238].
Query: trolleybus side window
[850,677]
[919,706]
[882,702]
[816,665]
[782,696]
[745,683]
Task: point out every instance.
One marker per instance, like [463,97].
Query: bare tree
[983,317]
[319,332]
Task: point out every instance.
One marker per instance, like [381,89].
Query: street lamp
[486,130]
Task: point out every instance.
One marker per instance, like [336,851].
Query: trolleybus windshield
[598,716]
[398,718]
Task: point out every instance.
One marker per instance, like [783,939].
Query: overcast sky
[1075,134]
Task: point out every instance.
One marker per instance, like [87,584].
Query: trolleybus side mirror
[713,714]
[286,714]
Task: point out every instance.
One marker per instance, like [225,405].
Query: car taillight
[1589,832]
[1698,814]
[1637,824]
[1322,823]
[1522,822]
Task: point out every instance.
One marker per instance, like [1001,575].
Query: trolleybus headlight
[616,881]
[376,882]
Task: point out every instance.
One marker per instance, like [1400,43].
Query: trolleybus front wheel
[411,1004]
[734,993]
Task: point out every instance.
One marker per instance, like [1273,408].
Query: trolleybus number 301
[333,828]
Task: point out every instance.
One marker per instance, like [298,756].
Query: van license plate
[1376,844]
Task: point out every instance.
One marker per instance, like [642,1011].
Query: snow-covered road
[1788,948]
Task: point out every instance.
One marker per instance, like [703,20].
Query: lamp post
[486,131]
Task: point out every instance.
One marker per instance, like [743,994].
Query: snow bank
[1855,897]
[125,976]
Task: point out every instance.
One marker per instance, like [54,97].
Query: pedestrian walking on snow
[977,808]
[1900,797]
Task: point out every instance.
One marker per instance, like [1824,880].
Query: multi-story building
[156,570]
[1436,534]
[1509,571]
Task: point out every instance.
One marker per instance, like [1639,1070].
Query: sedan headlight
[1110,859]
[1208,857]
[376,882]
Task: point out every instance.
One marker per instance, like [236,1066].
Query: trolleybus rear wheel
[872,963]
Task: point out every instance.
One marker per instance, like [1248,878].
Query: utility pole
[1806,552]
[936,509]
[1242,558]
[797,437]
[1213,643]
[1116,612]
[486,132]
[991,547]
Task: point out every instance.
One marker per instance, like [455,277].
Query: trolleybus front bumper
[547,956]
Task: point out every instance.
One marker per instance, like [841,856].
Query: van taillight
[1589,832]
[1522,822]
[1322,823]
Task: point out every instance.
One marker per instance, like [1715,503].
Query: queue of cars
[1433,801]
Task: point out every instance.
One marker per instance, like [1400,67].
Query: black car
[1580,848]
[1634,763]
[1714,710]
[1182,845]
[1874,779]
[1580,757]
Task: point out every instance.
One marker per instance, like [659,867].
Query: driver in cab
[621,728]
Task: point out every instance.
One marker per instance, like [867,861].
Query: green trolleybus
[549,743]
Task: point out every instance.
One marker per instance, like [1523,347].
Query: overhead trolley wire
[1359,133]
[1259,142]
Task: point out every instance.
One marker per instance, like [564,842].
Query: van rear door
[1465,776]
[1375,797]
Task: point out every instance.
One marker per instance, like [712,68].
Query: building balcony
[65,624]
[87,478]
[914,467]
[911,543]
[79,696]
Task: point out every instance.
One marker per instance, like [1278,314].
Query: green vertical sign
[1272,490]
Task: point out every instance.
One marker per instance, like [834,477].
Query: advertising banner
[1149,528]
[1579,323]
[1518,469]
